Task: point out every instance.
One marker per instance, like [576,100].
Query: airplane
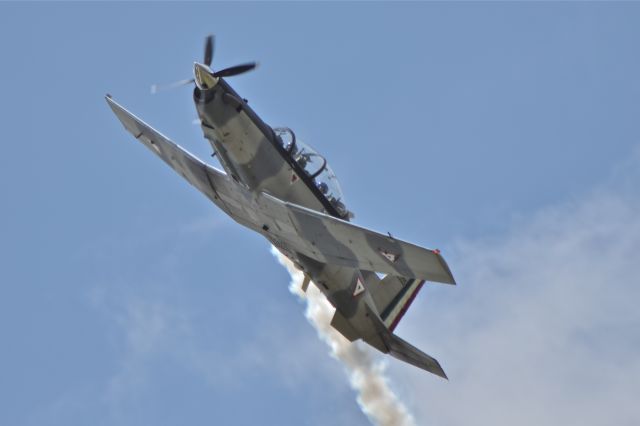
[278,186]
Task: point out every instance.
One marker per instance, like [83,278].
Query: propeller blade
[208,50]
[235,70]
[161,87]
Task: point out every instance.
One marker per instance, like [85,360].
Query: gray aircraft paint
[257,191]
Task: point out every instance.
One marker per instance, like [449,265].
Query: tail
[392,295]
[387,342]
[396,306]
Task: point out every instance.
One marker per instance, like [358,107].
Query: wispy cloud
[544,327]
[152,332]
[149,329]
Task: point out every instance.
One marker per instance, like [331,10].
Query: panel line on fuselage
[271,137]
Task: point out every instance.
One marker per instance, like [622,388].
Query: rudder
[395,295]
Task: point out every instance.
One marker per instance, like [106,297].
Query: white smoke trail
[366,375]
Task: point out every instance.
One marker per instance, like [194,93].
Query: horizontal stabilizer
[408,353]
[403,350]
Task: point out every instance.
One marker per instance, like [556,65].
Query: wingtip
[450,279]
[115,106]
[441,373]
[109,99]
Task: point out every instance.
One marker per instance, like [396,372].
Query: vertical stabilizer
[394,297]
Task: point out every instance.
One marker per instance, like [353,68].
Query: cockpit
[318,172]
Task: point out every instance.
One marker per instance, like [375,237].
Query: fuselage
[264,159]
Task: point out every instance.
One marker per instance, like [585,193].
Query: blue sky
[506,134]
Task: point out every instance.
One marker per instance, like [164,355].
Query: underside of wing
[331,240]
[196,172]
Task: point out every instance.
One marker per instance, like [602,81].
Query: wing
[331,240]
[309,232]
[197,173]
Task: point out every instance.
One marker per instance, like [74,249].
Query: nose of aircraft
[203,76]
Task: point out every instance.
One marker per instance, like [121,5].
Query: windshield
[315,166]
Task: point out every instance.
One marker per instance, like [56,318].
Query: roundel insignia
[391,257]
[359,287]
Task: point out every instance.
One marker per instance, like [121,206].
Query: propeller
[155,88]
[235,70]
[204,72]
[208,50]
